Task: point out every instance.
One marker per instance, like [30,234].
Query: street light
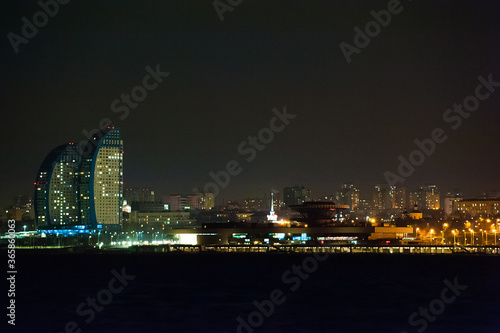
[24,227]
[432,231]
[472,233]
[454,239]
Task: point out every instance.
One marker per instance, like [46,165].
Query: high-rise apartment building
[451,202]
[426,197]
[432,197]
[201,201]
[386,197]
[82,185]
[296,195]
[400,198]
[348,194]
[56,188]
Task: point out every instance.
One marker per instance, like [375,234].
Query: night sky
[353,120]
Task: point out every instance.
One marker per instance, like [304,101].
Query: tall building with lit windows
[56,189]
[432,197]
[426,197]
[82,186]
[348,195]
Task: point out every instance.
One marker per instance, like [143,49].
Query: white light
[188,239]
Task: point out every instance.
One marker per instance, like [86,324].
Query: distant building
[201,201]
[382,197]
[149,206]
[416,198]
[195,201]
[479,206]
[450,202]
[208,201]
[21,210]
[415,214]
[390,232]
[399,197]
[253,204]
[432,197]
[135,194]
[348,194]
[176,202]
[296,195]
[320,213]
[159,221]
[426,197]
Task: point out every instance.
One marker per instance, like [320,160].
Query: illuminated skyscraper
[105,181]
[432,197]
[56,192]
[426,197]
[348,195]
[82,186]
[399,198]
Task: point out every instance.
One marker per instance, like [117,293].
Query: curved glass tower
[56,192]
[101,180]
[82,186]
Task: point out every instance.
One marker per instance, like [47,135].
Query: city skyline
[366,193]
[243,166]
[179,132]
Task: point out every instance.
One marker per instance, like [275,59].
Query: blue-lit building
[81,186]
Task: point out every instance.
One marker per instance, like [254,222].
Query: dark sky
[353,120]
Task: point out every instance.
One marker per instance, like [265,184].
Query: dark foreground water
[208,292]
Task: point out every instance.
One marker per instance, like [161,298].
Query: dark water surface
[207,292]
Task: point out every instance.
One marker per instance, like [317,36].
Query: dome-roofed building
[320,213]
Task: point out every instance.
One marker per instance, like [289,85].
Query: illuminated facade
[450,202]
[348,195]
[432,197]
[479,207]
[272,217]
[106,185]
[321,213]
[195,201]
[56,193]
[426,197]
[416,198]
[82,187]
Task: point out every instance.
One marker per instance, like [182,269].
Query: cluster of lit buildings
[79,189]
